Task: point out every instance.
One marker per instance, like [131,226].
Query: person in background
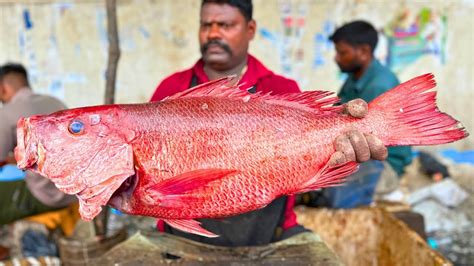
[225,31]
[35,194]
[355,43]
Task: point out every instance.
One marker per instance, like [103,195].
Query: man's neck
[362,70]
[213,74]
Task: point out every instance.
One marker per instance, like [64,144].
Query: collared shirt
[376,80]
[25,103]
[256,75]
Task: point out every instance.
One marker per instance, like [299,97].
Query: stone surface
[148,248]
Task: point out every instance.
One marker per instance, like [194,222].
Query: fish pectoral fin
[176,192]
[329,176]
[189,226]
[177,201]
[189,181]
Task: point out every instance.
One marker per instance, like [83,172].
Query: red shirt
[256,75]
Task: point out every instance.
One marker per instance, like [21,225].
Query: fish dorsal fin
[320,101]
[223,87]
[228,87]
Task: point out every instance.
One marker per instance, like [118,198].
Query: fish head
[83,151]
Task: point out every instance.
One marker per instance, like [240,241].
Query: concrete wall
[64,44]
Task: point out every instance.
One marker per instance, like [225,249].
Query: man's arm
[7,141]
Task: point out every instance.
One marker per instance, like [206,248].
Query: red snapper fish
[215,150]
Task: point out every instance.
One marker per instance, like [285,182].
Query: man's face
[348,57]
[224,36]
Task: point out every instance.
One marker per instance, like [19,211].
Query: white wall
[64,44]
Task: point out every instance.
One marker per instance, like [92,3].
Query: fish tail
[408,115]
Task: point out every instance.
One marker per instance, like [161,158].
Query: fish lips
[29,154]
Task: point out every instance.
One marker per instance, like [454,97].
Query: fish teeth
[41,156]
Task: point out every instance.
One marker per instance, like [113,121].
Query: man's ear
[2,90]
[251,29]
[365,52]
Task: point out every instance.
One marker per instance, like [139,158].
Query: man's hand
[357,108]
[354,145]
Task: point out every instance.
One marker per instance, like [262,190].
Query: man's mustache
[219,43]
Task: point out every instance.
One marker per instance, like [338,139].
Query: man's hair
[13,68]
[356,33]
[245,6]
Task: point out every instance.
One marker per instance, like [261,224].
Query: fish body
[215,151]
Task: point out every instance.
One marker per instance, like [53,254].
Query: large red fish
[215,150]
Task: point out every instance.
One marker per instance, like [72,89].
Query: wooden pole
[100,222]
[114,51]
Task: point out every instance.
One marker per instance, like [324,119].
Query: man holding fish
[226,29]
[216,150]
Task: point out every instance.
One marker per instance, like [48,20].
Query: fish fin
[223,87]
[329,176]
[321,101]
[188,181]
[189,226]
[409,110]
[177,201]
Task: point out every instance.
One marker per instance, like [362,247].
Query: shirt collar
[366,77]
[255,71]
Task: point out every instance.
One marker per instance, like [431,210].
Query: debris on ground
[447,204]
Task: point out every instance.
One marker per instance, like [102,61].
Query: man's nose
[214,32]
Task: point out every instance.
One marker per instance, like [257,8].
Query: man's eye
[225,25]
[205,25]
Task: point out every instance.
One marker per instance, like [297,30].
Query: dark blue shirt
[376,80]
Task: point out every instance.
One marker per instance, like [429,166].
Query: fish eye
[76,127]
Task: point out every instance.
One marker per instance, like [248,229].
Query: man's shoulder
[48,102]
[279,84]
[172,84]
[178,76]
[268,81]
[34,104]
[385,75]
[279,78]
[383,80]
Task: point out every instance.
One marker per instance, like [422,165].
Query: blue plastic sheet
[9,173]
[454,155]
[459,156]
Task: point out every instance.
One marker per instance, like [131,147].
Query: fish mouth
[29,153]
[120,199]
[109,192]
